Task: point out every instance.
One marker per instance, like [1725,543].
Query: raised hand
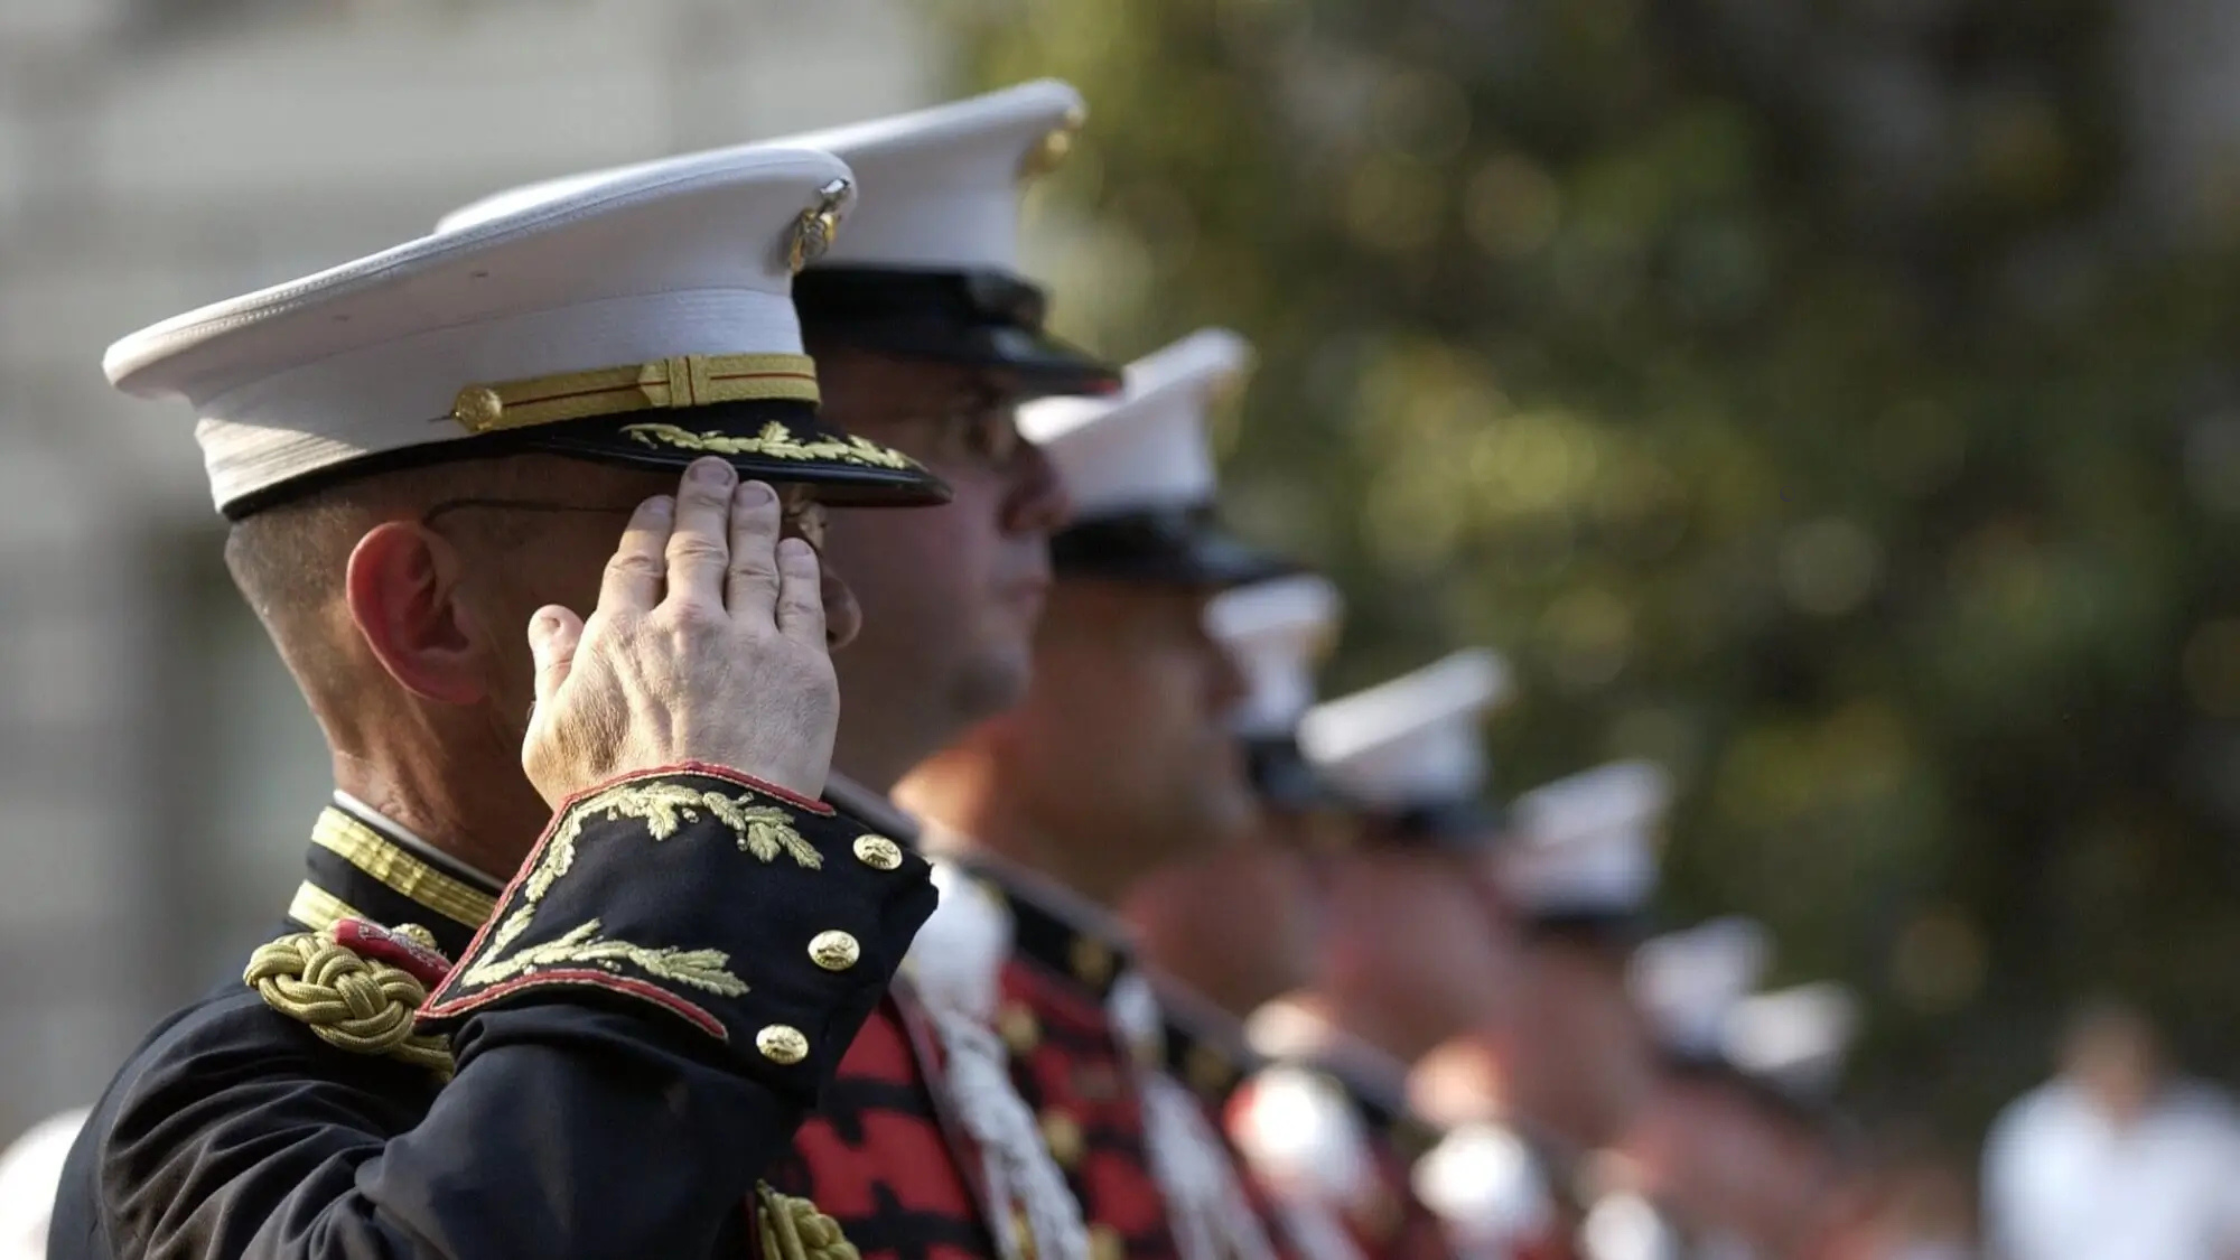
[708,644]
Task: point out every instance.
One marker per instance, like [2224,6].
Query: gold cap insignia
[1051,150]
[818,226]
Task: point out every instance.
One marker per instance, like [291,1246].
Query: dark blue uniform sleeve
[658,999]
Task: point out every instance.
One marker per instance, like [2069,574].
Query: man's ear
[402,589]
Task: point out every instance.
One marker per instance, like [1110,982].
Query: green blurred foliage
[1790,392]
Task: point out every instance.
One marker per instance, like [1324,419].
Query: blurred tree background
[1792,391]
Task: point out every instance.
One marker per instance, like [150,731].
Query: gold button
[878,852]
[834,951]
[1091,959]
[1209,1073]
[1020,1030]
[478,407]
[1062,1134]
[782,1043]
[1104,1243]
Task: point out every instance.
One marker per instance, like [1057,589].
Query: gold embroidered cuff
[727,903]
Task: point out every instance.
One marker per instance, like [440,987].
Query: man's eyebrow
[964,396]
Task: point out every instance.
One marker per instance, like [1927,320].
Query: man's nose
[1036,501]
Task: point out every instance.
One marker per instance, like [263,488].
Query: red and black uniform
[1072,1065]
[1086,1075]
[882,1155]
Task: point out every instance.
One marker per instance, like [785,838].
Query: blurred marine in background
[1118,761]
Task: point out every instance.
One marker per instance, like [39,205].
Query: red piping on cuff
[654,993]
[708,769]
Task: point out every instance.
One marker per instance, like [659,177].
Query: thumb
[553,635]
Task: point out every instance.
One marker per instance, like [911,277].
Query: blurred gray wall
[158,776]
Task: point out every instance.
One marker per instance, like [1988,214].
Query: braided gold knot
[352,1001]
[793,1229]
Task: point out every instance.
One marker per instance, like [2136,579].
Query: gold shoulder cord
[353,1003]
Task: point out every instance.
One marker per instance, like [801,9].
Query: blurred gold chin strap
[793,1229]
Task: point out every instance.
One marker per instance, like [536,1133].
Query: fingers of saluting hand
[801,594]
[700,546]
[633,577]
[554,635]
[751,586]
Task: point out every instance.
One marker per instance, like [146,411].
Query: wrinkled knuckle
[694,620]
[634,564]
[697,549]
[747,568]
[753,642]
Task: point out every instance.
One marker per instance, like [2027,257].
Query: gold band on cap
[689,380]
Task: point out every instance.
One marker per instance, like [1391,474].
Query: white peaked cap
[1483,1181]
[1144,448]
[1278,631]
[1797,1038]
[940,185]
[1587,844]
[1300,1132]
[1690,982]
[372,356]
[30,1174]
[1413,740]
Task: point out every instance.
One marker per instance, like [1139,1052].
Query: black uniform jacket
[633,1028]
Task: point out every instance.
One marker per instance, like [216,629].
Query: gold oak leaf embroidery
[582,945]
[774,441]
[762,830]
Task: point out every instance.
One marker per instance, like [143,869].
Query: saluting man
[1580,872]
[1566,1057]
[927,336]
[1240,927]
[1418,945]
[1119,761]
[1739,1136]
[428,456]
